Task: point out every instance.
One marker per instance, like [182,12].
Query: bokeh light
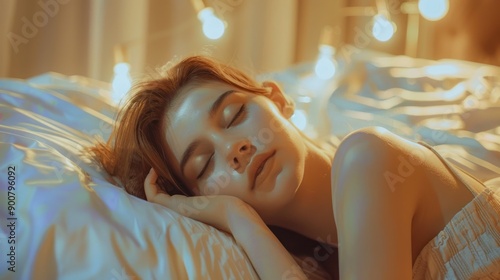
[325,67]
[299,119]
[213,27]
[383,28]
[122,82]
[433,10]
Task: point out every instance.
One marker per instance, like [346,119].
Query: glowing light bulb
[383,28]
[299,119]
[213,27]
[122,82]
[433,9]
[325,67]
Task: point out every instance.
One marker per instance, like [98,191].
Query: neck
[310,213]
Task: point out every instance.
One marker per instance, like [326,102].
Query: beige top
[469,245]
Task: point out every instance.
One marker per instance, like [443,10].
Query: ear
[285,103]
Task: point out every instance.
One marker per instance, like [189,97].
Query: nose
[240,155]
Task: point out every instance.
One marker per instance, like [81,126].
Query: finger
[178,203]
[150,187]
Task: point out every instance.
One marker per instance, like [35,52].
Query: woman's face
[225,141]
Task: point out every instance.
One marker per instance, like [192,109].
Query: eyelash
[243,110]
[202,172]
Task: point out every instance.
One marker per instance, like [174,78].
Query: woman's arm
[268,256]
[270,259]
[374,216]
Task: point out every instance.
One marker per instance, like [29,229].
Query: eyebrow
[213,109]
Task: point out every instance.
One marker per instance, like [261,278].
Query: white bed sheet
[450,104]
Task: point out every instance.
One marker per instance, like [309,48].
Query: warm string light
[326,66]
[122,82]
[383,28]
[212,26]
[433,10]
[310,98]
[299,119]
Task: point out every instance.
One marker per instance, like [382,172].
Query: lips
[257,166]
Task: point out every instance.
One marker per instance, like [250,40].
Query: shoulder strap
[452,169]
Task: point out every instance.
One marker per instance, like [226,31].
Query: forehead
[189,113]
[192,98]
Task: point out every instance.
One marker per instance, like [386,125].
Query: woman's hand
[234,216]
[216,210]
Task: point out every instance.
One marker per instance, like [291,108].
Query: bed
[69,221]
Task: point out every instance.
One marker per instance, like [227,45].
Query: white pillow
[71,223]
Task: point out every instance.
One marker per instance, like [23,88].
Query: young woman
[211,143]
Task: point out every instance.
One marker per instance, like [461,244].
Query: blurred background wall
[80,37]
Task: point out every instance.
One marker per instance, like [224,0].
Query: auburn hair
[138,140]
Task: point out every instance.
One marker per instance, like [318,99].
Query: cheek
[264,128]
[272,122]
[259,116]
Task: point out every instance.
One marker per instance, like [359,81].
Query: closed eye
[204,169]
[239,116]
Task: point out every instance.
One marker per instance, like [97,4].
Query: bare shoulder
[379,161]
[375,167]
